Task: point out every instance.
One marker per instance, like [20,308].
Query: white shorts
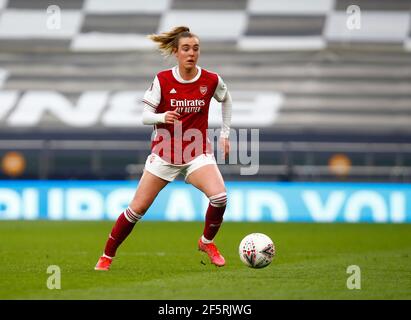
[167,171]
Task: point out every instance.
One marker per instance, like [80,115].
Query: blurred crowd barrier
[251,201]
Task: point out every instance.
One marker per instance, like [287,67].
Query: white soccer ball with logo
[256,250]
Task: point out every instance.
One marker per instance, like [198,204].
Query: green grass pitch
[160,261]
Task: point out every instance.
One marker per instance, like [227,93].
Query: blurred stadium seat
[69,97]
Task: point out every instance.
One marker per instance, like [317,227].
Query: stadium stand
[313,87]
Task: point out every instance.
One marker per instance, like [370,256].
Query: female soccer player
[177,104]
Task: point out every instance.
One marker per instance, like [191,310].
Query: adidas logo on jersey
[173,91]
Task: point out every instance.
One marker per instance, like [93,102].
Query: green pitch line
[160,261]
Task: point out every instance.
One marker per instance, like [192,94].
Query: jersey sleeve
[220,91]
[152,96]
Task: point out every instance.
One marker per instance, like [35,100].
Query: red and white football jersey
[186,139]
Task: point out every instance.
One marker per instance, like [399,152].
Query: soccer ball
[256,250]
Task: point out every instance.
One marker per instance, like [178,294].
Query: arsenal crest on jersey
[203,90]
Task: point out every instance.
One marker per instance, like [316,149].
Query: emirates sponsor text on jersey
[187,105]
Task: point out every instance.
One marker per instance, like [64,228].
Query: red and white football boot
[212,252]
[103,264]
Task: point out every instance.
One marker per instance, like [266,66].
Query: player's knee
[218,200]
[139,208]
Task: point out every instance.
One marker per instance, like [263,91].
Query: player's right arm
[152,98]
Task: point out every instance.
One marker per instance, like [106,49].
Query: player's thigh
[208,179]
[147,190]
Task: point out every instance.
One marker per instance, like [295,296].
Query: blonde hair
[168,41]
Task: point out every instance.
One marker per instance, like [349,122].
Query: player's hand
[225,147]
[171,116]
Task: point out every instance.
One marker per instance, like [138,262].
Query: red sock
[213,220]
[122,228]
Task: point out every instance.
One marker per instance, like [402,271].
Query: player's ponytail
[168,41]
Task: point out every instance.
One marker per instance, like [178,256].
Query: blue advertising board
[247,201]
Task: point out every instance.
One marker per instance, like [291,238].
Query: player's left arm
[223,95]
